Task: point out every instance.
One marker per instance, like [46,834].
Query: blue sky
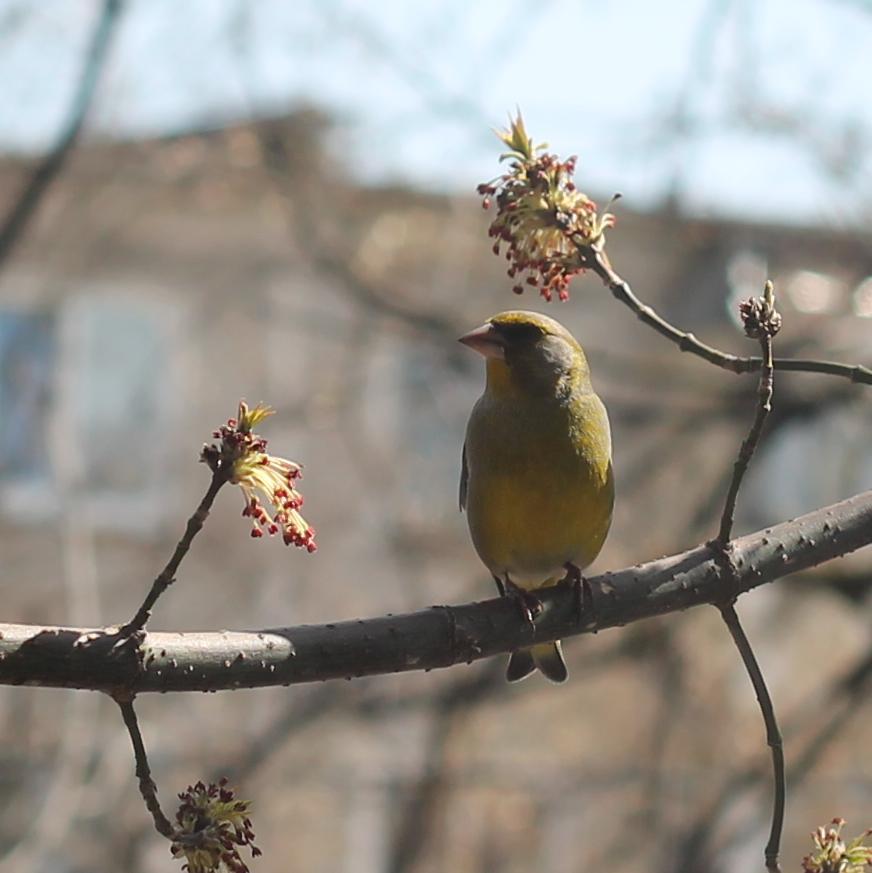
[738,108]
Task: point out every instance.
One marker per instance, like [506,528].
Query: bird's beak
[486,341]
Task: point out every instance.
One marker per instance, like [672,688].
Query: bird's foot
[527,601]
[584,602]
[500,587]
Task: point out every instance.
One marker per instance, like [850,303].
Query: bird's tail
[547,657]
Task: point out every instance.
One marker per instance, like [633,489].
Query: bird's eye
[520,332]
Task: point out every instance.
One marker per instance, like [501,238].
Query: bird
[536,474]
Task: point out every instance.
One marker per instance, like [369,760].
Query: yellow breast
[540,483]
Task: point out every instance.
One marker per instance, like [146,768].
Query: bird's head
[529,351]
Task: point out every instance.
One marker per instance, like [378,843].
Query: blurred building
[164,280]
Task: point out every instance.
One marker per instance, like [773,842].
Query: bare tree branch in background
[303,208]
[836,141]
[15,222]
[449,712]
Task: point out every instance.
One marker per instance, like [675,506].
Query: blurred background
[222,199]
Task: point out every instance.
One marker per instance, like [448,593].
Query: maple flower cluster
[268,483]
[547,225]
[833,855]
[212,826]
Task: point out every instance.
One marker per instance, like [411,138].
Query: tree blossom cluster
[268,483]
[212,826]
[545,223]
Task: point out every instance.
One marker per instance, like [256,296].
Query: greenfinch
[536,479]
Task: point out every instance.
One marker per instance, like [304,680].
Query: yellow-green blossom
[211,827]
[833,855]
[268,483]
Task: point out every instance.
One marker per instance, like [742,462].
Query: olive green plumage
[537,479]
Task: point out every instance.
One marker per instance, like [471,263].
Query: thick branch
[436,637]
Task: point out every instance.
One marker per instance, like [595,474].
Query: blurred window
[27,360]
[863,299]
[82,417]
[113,384]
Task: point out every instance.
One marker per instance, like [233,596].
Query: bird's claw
[500,586]
[528,603]
[584,602]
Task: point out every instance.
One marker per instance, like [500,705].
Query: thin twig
[844,699]
[749,445]
[763,322]
[687,342]
[844,702]
[167,575]
[147,788]
[16,220]
[773,735]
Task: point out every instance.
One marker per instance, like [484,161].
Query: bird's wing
[464,479]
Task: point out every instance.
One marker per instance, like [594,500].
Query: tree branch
[429,639]
[597,261]
[167,575]
[761,320]
[843,700]
[16,220]
[749,444]
[147,788]
[773,734]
